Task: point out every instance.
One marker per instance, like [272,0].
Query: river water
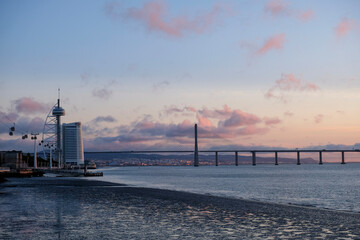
[332,186]
[81,208]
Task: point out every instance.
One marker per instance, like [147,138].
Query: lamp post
[50,146]
[34,137]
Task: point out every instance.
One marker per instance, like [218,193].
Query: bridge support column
[236,159]
[196,150]
[320,158]
[276,158]
[342,157]
[253,158]
[216,159]
[298,158]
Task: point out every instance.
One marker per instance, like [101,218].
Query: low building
[12,159]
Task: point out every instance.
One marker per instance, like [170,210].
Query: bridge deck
[252,151]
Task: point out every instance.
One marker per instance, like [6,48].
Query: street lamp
[34,137]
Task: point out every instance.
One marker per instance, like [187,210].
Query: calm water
[57,208]
[332,186]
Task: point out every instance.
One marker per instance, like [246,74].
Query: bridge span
[253,152]
[236,154]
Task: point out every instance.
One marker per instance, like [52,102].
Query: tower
[58,112]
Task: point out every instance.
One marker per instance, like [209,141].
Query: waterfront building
[12,159]
[73,151]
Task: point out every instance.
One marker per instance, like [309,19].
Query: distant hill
[134,159]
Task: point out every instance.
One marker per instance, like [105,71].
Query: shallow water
[45,208]
[332,186]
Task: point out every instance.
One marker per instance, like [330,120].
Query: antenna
[58,97]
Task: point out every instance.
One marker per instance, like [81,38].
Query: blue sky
[146,63]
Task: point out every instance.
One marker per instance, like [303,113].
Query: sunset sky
[140,74]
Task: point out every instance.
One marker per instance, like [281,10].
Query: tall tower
[58,112]
[72,148]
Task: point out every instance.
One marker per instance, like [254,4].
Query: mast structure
[52,131]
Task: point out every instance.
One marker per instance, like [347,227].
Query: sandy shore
[64,208]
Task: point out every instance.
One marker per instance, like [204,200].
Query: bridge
[236,154]
[196,152]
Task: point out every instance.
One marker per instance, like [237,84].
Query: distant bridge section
[236,152]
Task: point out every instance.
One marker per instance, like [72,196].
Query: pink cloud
[174,109]
[204,122]
[213,125]
[145,124]
[344,27]
[225,118]
[190,109]
[318,118]
[306,15]
[270,94]
[252,130]
[231,133]
[154,15]
[216,113]
[272,121]
[240,118]
[277,7]
[274,42]
[30,106]
[204,112]
[36,124]
[287,83]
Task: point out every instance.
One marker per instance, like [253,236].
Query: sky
[139,74]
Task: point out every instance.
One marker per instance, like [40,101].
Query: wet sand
[64,208]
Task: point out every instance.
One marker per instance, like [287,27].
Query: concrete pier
[196,150]
[320,158]
[236,159]
[253,158]
[342,157]
[298,158]
[216,159]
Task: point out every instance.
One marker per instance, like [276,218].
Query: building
[73,151]
[12,160]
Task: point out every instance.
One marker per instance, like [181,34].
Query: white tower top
[58,111]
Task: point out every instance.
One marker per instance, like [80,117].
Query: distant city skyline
[140,74]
